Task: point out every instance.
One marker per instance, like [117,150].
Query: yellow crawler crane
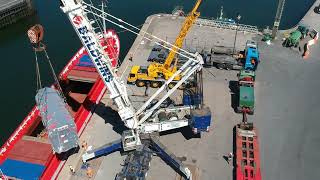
[156,73]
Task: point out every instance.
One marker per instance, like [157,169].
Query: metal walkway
[227,25]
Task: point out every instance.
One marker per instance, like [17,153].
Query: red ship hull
[83,89]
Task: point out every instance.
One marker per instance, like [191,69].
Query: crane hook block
[35,34]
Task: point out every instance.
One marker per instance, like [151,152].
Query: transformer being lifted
[144,121]
[62,131]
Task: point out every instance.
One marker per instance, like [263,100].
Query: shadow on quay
[110,116]
[234,90]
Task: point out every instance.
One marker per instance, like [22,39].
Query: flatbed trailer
[222,57]
[246,92]
[222,61]
[247,152]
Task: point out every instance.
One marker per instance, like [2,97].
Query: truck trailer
[246,91]
[247,152]
[222,61]
[251,56]
[222,57]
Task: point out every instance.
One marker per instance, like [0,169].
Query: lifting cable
[135,30]
[54,75]
[35,34]
[100,14]
[39,85]
[122,31]
[102,29]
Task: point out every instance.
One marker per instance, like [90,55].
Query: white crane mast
[89,39]
[77,13]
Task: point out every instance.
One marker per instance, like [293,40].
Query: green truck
[295,36]
[246,92]
[293,39]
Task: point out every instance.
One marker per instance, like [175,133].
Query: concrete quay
[13,10]
[206,152]
[287,102]
[286,114]
[311,18]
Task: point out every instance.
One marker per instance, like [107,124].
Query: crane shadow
[234,90]
[111,117]
[185,131]
[234,151]
[65,155]
[234,144]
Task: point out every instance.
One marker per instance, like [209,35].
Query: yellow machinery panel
[155,73]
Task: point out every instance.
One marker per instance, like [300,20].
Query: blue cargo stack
[85,61]
[187,100]
[200,119]
[191,99]
[22,170]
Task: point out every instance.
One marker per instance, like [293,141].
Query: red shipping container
[32,150]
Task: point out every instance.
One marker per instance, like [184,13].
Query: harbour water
[18,85]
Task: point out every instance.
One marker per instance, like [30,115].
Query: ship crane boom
[189,21]
[78,13]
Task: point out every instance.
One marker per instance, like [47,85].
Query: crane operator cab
[251,56]
[130,140]
[152,75]
[246,76]
[135,75]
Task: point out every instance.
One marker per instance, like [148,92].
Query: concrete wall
[15,11]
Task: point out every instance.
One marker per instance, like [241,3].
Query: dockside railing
[226,25]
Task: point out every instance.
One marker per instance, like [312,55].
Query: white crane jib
[89,39]
[77,13]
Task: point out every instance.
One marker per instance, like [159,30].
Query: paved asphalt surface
[287,99]
[287,113]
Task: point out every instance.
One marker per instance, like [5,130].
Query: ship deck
[286,113]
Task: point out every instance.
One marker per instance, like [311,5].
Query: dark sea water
[18,85]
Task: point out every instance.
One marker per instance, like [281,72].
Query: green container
[295,36]
[293,39]
[246,98]
[246,74]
